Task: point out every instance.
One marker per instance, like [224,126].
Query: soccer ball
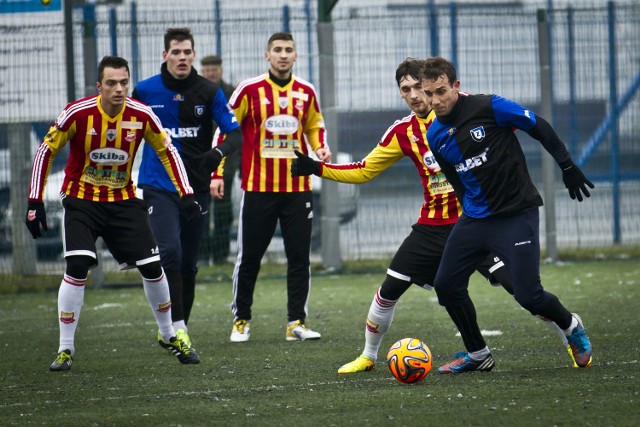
[409,360]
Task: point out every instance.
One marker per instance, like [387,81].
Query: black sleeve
[231,143]
[544,132]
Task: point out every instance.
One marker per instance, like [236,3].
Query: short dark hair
[410,67]
[211,60]
[111,62]
[437,66]
[179,35]
[279,36]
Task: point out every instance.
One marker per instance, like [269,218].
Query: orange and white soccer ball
[409,360]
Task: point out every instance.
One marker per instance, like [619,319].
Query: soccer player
[186,104]
[277,112]
[220,244]
[473,141]
[99,199]
[418,258]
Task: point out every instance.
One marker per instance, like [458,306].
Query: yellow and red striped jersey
[275,121]
[102,150]
[405,138]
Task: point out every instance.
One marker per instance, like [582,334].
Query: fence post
[548,164]
[24,247]
[613,101]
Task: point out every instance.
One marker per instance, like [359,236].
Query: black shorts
[418,258]
[124,227]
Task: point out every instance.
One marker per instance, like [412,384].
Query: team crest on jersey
[111,134]
[283,101]
[131,136]
[477,134]
[199,110]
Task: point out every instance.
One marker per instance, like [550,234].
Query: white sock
[480,354]
[180,325]
[574,324]
[157,292]
[70,300]
[379,320]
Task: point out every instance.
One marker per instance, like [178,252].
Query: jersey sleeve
[157,138]
[511,114]
[57,137]
[223,114]
[383,156]
[314,126]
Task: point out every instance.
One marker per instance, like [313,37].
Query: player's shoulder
[139,107]
[251,82]
[149,83]
[79,108]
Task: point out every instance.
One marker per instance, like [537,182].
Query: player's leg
[415,262]
[164,218]
[519,248]
[83,219]
[463,252]
[191,241]
[131,242]
[258,220]
[296,215]
[494,270]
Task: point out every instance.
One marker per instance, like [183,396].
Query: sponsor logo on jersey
[131,125]
[473,162]
[92,132]
[477,134]
[282,124]
[429,160]
[178,97]
[300,95]
[130,136]
[111,134]
[265,101]
[189,132]
[198,110]
[109,156]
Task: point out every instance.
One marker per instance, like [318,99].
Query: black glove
[574,180]
[190,207]
[305,165]
[211,160]
[36,216]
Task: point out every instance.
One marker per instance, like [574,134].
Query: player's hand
[36,216]
[216,188]
[305,165]
[575,181]
[190,207]
[211,160]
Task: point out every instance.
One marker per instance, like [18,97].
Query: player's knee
[150,271]
[78,266]
[392,288]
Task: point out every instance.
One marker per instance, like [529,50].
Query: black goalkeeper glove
[211,160]
[190,207]
[574,180]
[36,216]
[305,165]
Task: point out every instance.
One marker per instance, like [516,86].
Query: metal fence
[595,80]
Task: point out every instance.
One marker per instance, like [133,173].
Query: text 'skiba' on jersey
[275,121]
[102,150]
